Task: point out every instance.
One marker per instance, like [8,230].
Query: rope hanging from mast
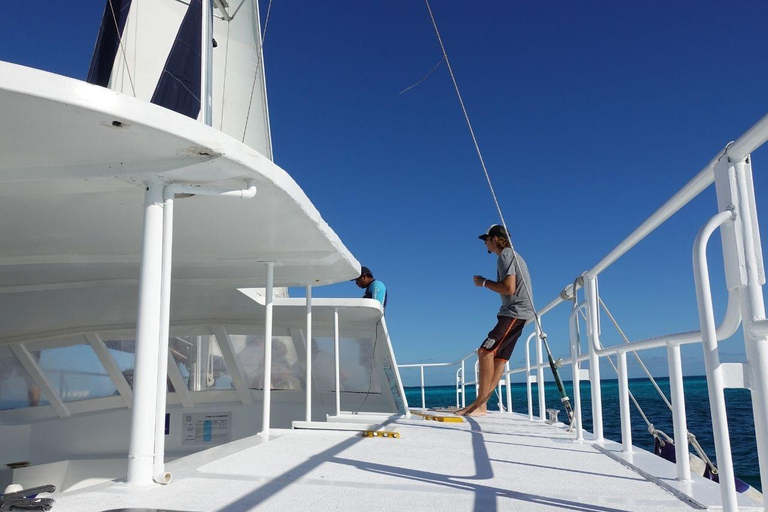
[122,47]
[423,78]
[542,336]
[258,66]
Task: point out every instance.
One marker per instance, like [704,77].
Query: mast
[206,54]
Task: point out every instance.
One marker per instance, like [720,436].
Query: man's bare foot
[472,410]
[464,411]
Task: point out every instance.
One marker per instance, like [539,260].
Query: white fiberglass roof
[74,159]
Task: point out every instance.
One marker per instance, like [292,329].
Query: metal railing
[737,220]
[461,382]
[460,377]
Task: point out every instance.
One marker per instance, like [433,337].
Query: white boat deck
[500,462]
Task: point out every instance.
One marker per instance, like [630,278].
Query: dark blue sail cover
[179,86]
[108,42]
[666,450]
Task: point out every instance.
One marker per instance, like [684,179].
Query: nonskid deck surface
[499,462]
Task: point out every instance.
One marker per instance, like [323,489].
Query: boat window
[357,372]
[200,362]
[123,351]
[75,372]
[17,389]
[287,373]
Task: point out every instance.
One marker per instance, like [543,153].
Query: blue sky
[590,115]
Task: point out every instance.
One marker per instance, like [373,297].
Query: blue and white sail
[152,49]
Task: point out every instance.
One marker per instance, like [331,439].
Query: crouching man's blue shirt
[377,290]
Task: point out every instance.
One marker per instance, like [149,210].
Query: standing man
[513,284]
[374,289]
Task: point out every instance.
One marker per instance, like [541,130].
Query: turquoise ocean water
[738,403]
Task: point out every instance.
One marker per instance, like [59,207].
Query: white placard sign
[207,428]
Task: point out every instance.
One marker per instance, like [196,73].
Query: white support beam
[337,371]
[34,370]
[593,332]
[679,421]
[540,386]
[576,371]
[626,425]
[233,364]
[423,394]
[267,405]
[206,64]
[142,440]
[312,393]
[508,382]
[308,359]
[109,364]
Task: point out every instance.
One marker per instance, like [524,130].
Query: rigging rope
[224,84]
[423,78]
[564,398]
[651,428]
[501,402]
[122,48]
[466,116]
[656,433]
[645,368]
[258,66]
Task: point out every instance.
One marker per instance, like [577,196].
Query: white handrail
[576,369]
[423,399]
[417,365]
[458,379]
[715,378]
[528,391]
[726,329]
[508,383]
[750,140]
[421,367]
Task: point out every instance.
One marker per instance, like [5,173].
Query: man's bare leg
[490,370]
[482,405]
[485,370]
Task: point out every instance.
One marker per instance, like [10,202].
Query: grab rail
[460,361]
